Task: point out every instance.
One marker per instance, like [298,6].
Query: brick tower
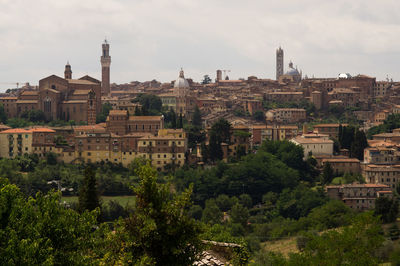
[105,69]
[279,63]
[68,71]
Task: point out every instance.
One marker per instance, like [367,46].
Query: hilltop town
[259,151]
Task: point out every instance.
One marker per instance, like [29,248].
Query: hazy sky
[152,39]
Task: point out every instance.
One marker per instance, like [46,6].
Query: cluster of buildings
[125,136]
[120,140]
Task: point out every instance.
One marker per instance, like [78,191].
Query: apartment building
[286,115]
[332,130]
[359,196]
[315,144]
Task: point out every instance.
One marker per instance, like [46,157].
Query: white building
[317,144]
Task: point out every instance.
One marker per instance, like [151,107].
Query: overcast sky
[152,39]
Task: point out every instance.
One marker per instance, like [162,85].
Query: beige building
[15,142]
[316,144]
[382,174]
[281,132]
[359,196]
[286,115]
[165,150]
[332,130]
[343,165]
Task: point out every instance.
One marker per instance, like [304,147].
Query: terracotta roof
[302,140]
[144,118]
[330,125]
[118,112]
[352,160]
[81,92]
[42,129]
[358,185]
[74,101]
[80,81]
[2,126]
[287,109]
[27,101]
[16,130]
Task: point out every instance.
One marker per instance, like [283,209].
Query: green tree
[34,116]
[327,174]
[105,110]
[347,137]
[40,231]
[246,200]
[211,213]
[352,245]
[223,129]
[3,115]
[387,208]
[239,214]
[225,203]
[88,194]
[151,104]
[196,118]
[17,122]
[180,121]
[173,118]
[206,80]
[215,148]
[160,232]
[358,145]
[259,115]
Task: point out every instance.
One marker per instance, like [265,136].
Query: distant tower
[105,69]
[219,75]
[68,71]
[279,63]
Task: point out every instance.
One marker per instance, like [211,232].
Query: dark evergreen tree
[215,150]
[88,194]
[173,118]
[206,80]
[340,135]
[358,145]
[387,208]
[327,174]
[180,121]
[160,231]
[196,119]
[222,128]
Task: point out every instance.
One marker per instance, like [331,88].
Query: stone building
[120,123]
[316,144]
[359,196]
[64,98]
[332,130]
[286,115]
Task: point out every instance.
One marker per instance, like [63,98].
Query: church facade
[66,98]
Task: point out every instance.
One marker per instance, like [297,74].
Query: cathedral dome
[181,82]
[292,71]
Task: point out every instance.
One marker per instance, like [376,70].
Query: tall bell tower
[105,68]
[279,62]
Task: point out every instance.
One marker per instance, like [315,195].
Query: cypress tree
[88,195]
[196,119]
[180,121]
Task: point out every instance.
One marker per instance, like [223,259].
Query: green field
[123,200]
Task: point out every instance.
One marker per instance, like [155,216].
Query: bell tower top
[68,71]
